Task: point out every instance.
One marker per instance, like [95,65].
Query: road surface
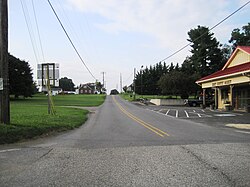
[125,145]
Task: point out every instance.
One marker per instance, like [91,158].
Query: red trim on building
[229,71]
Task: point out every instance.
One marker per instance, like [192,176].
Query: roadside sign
[1,83]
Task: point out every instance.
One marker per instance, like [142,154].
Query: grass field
[63,100]
[130,97]
[29,117]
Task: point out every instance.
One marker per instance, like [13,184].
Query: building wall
[226,81]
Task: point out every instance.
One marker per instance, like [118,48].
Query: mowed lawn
[30,118]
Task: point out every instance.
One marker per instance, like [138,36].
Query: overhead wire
[74,35]
[38,32]
[71,42]
[31,34]
[179,50]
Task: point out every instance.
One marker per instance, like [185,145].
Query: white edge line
[245,132]
[9,150]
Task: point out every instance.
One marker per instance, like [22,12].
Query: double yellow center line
[141,122]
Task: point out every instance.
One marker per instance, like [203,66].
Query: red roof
[227,72]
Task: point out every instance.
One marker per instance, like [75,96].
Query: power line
[38,32]
[27,20]
[70,40]
[206,32]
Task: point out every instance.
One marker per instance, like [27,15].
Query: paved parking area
[220,119]
[192,112]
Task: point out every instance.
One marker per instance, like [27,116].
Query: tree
[240,37]
[207,56]
[125,88]
[99,86]
[173,83]
[66,84]
[21,80]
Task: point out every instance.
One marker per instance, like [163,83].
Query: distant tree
[125,88]
[173,83]
[66,84]
[240,36]
[99,86]
[207,56]
[114,92]
[20,77]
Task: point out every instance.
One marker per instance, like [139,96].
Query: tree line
[207,56]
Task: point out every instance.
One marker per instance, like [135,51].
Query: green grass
[30,118]
[64,100]
[128,97]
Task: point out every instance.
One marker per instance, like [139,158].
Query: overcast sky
[114,36]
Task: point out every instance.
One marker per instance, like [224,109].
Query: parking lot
[206,116]
[191,112]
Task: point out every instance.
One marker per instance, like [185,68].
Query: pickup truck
[197,102]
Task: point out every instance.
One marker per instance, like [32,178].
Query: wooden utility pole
[4,64]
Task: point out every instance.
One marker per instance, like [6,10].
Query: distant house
[56,91]
[231,83]
[89,88]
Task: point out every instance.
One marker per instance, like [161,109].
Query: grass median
[30,118]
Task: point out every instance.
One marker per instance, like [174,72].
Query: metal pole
[134,84]
[4,64]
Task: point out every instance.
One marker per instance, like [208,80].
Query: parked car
[197,102]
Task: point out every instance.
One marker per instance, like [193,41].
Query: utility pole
[103,80]
[4,64]
[121,82]
[134,83]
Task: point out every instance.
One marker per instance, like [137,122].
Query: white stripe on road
[186,113]
[167,112]
[176,114]
[9,150]
[245,132]
[199,115]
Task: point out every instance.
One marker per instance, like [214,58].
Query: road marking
[167,112]
[239,126]
[186,113]
[194,111]
[176,113]
[224,115]
[9,150]
[245,132]
[203,110]
[141,122]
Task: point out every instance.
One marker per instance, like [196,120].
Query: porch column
[204,97]
[215,98]
[231,95]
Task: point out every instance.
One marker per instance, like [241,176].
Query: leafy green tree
[66,84]
[240,36]
[20,77]
[99,86]
[125,88]
[173,83]
[207,56]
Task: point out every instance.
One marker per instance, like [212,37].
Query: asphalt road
[125,145]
